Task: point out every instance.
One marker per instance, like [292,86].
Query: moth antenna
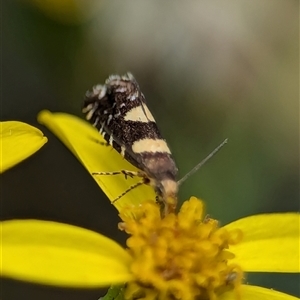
[143,109]
[142,103]
[197,167]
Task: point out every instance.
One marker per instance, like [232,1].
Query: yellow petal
[270,243]
[18,141]
[81,138]
[250,292]
[60,254]
[68,11]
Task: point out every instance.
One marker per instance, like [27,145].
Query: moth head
[167,190]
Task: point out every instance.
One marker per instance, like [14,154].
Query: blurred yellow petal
[250,292]
[271,243]
[68,11]
[81,138]
[18,141]
[60,254]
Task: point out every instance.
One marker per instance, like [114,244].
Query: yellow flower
[18,141]
[68,11]
[182,256]
[179,256]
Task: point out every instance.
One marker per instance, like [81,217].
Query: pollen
[181,256]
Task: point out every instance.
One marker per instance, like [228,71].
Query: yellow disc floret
[183,256]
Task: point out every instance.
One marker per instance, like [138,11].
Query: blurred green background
[210,70]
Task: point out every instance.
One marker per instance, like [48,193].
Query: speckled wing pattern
[118,110]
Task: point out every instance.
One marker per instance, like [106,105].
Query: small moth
[118,110]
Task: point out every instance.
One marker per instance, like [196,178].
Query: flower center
[181,256]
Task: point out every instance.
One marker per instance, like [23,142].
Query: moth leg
[161,204]
[128,190]
[99,142]
[126,173]
[157,200]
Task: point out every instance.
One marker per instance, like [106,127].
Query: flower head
[180,256]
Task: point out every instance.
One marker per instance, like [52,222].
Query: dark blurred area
[209,71]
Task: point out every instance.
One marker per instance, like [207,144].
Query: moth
[118,110]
